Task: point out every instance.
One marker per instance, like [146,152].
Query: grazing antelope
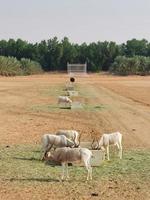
[110,139]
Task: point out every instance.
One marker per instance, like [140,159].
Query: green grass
[87,107]
[135,164]
[87,92]
[56,90]
[22,165]
[56,108]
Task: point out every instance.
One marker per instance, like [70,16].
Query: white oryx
[64,100]
[70,134]
[67,155]
[49,141]
[110,139]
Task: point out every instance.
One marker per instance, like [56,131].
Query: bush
[134,65]
[10,66]
[30,67]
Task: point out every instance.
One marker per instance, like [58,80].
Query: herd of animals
[64,147]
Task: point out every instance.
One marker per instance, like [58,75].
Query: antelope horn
[92,143]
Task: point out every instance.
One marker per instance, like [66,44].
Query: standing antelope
[67,155]
[110,139]
[64,100]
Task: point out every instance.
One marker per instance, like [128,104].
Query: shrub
[30,67]
[10,66]
[131,65]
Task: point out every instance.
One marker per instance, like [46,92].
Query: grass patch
[53,90]
[135,164]
[59,89]
[56,108]
[45,108]
[87,92]
[94,108]
[22,165]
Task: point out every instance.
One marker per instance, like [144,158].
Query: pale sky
[79,20]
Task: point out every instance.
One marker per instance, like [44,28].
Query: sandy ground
[126,102]
[110,190]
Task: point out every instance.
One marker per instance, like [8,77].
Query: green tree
[54,54]
[136,47]
[69,53]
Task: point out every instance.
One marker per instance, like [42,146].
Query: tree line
[53,54]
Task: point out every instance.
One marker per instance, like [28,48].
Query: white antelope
[64,100]
[67,155]
[70,134]
[111,139]
[48,141]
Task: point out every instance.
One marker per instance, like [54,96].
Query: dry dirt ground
[28,109]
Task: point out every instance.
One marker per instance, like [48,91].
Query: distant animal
[50,140]
[64,100]
[110,139]
[67,155]
[72,135]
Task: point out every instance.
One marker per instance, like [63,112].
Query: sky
[79,20]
